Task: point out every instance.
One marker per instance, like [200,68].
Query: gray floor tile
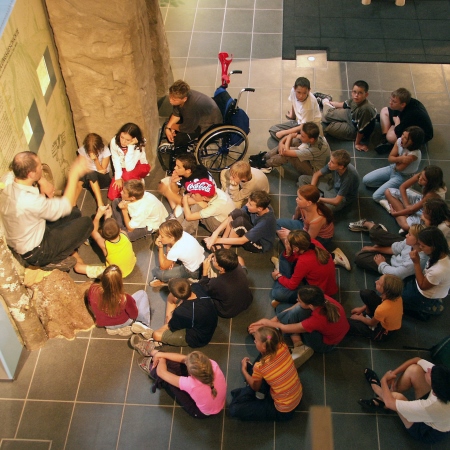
[393,434]
[46,421]
[18,444]
[106,371]
[58,370]
[145,426]
[10,411]
[94,426]
[19,387]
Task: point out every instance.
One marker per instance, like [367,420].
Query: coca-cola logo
[202,186]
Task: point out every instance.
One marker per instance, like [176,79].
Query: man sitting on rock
[44,231]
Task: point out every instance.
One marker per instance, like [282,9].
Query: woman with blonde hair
[113,308]
[304,261]
[194,381]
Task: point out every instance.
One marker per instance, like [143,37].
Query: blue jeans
[314,339]
[279,292]
[413,300]
[178,271]
[290,224]
[383,179]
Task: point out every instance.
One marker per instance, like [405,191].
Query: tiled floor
[89,393]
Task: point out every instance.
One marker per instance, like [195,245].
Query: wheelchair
[221,145]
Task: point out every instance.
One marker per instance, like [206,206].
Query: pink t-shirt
[201,393]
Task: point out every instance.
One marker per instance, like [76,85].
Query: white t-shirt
[307,111]
[101,156]
[431,411]
[188,251]
[438,274]
[218,207]
[147,212]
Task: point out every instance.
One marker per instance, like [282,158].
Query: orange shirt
[280,373]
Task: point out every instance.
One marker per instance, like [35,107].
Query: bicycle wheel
[221,147]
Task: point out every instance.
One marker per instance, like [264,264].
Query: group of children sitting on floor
[414,268]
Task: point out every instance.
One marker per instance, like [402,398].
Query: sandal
[371,377]
[373,404]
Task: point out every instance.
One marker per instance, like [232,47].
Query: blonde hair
[241,169]
[415,229]
[199,366]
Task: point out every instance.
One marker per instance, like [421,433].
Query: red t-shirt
[128,310]
[307,267]
[332,333]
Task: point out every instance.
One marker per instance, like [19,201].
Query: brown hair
[172,228]
[342,157]
[302,240]
[241,169]
[135,188]
[272,339]
[179,89]
[402,94]
[313,295]
[134,131]
[392,286]
[93,143]
[24,163]
[110,229]
[312,194]
[311,130]
[261,199]
[112,298]
[180,288]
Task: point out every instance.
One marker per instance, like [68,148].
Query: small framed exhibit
[33,129]
[46,75]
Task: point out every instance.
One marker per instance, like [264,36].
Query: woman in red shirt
[305,261]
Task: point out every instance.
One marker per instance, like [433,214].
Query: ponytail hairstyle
[312,194]
[302,240]
[313,295]
[112,295]
[435,179]
[433,237]
[272,338]
[199,366]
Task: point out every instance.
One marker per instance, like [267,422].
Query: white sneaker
[123,331]
[340,259]
[266,169]
[140,328]
[275,262]
[385,204]
[301,354]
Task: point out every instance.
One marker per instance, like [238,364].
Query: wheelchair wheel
[165,155]
[221,147]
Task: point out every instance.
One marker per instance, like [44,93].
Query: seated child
[405,204]
[113,308]
[173,187]
[342,190]
[381,314]
[192,319]
[139,212]
[272,376]
[230,290]
[304,109]
[312,154]
[436,213]
[405,159]
[253,226]
[393,259]
[353,119]
[181,248]
[114,244]
[240,180]
[193,380]
[206,204]
[317,323]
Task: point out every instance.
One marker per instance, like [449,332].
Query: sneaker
[64,266]
[140,328]
[358,226]
[301,354]
[142,346]
[340,259]
[258,157]
[193,280]
[323,96]
[385,204]
[266,169]
[275,262]
[123,331]
[145,364]
[157,283]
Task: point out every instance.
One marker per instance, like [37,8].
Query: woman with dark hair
[305,260]
[436,213]
[128,158]
[423,293]
[310,215]
[316,323]
[405,204]
[98,158]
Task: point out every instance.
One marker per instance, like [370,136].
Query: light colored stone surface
[115,63]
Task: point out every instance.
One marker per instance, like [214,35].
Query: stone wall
[115,63]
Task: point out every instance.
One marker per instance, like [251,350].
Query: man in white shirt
[427,418]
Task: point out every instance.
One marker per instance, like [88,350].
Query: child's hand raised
[158,242]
